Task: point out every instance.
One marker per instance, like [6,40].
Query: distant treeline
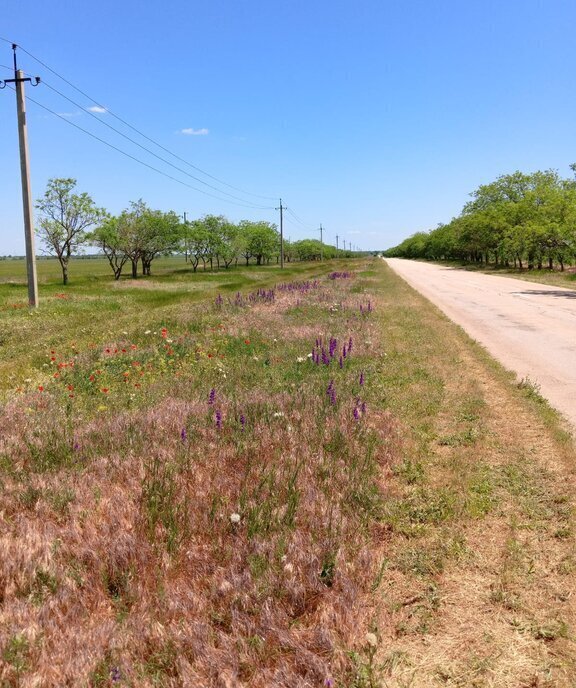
[525,220]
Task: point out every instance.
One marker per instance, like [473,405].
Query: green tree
[262,240]
[107,239]
[65,218]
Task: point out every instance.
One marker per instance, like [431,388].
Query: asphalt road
[530,328]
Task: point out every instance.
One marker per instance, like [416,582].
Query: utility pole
[336,243]
[321,243]
[281,209]
[19,81]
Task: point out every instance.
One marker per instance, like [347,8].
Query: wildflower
[235,518]
[183,434]
[361,378]
[310,355]
[341,362]
[242,421]
[371,639]
[300,359]
[115,674]
[147,332]
[40,388]
[105,390]
[218,419]
[212,396]
[356,413]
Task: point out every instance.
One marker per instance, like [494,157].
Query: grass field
[255,478]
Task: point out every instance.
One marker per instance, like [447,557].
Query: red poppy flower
[40,388]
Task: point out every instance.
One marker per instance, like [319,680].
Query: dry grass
[157,533]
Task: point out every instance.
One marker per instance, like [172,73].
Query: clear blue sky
[374,118]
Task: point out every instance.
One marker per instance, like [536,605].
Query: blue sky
[374,118]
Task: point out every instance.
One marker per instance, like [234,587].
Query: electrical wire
[166,150]
[159,157]
[141,162]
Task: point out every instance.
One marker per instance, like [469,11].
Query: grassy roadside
[478,549]
[403,520]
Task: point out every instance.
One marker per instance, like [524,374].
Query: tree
[65,218]
[108,240]
[161,233]
[261,240]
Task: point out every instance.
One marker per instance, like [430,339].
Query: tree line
[524,220]
[68,222]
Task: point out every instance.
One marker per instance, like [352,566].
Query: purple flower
[115,674]
[344,352]
[356,414]
[183,435]
[341,362]
[242,421]
[350,345]
[363,407]
[325,358]
[361,378]
[218,419]
[212,396]
[219,300]
[75,446]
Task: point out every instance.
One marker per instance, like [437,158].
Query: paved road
[530,328]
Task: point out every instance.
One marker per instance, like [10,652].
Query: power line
[132,157]
[159,157]
[270,198]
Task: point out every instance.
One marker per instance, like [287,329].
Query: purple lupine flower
[183,435]
[219,300]
[356,413]
[115,674]
[361,309]
[361,378]
[212,396]
[242,421]
[218,419]
[325,358]
[363,407]
[350,345]
[341,362]
[344,352]
[75,446]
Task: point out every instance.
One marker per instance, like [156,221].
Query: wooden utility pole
[19,80]
[336,243]
[321,244]
[281,208]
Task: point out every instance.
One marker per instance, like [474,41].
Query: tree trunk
[64,273]
[134,268]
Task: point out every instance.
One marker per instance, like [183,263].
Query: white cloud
[69,114]
[355,231]
[96,108]
[194,132]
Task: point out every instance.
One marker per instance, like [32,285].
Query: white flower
[255,358]
[300,359]
[278,414]
[148,332]
[288,568]
[235,518]
[309,356]
[169,341]
[371,639]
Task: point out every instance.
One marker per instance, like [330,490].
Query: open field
[255,478]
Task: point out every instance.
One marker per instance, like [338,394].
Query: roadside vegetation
[520,221]
[70,223]
[263,478]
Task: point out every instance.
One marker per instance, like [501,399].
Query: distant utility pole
[344,242]
[336,242]
[321,243]
[19,80]
[281,208]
